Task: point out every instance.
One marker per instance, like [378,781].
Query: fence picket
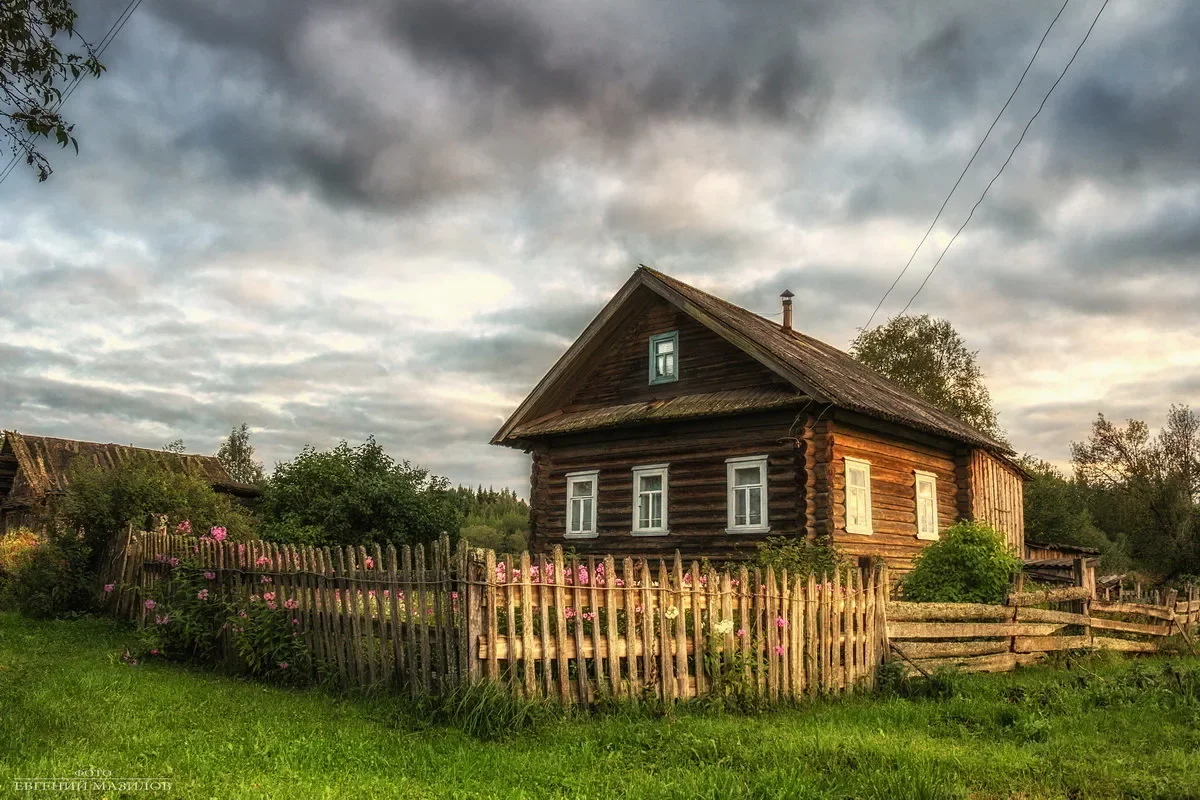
[560,628]
[611,635]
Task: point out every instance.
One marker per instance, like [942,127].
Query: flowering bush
[50,578]
[188,620]
[16,548]
[269,640]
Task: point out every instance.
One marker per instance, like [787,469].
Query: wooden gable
[707,362]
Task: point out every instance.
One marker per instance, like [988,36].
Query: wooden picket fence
[427,621]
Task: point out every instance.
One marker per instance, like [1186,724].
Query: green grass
[1104,729]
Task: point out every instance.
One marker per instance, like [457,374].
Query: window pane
[576,508]
[746,476]
[587,514]
[665,346]
[739,507]
[856,476]
[644,511]
[656,510]
[924,488]
[581,489]
[651,483]
[755,506]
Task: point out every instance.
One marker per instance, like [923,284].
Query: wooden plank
[650,671]
[610,625]
[345,560]
[582,688]
[491,611]
[394,628]
[917,650]
[1125,645]
[665,639]
[560,627]
[811,670]
[1036,644]
[629,603]
[363,612]
[1001,662]
[330,614]
[529,674]
[625,647]
[770,609]
[597,632]
[1048,596]
[1158,612]
[412,651]
[1043,615]
[1130,627]
[796,638]
[683,684]
[929,612]
[422,618]
[968,630]
[696,590]
[744,611]
[545,596]
[510,618]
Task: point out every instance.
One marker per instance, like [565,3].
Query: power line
[113,30]
[1010,156]
[970,161]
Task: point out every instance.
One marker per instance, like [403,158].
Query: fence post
[472,598]
[1081,571]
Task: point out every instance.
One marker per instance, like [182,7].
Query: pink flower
[268,595]
[184,527]
[108,587]
[162,620]
[154,651]
[778,649]
[369,562]
[780,622]
[291,603]
[283,665]
[266,579]
[261,560]
[453,595]
[570,613]
[741,633]
[589,615]
[149,604]
[174,562]
[295,621]
[202,594]
[210,576]
[272,605]
[243,615]
[219,533]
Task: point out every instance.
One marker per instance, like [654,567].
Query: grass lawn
[1104,729]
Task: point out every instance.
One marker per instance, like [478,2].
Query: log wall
[697,492]
[996,496]
[893,492]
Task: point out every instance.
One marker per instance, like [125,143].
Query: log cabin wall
[893,492]
[696,484]
[707,363]
[997,497]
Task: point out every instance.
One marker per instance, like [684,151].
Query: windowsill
[589,535]
[928,537]
[661,381]
[860,532]
[663,532]
[755,529]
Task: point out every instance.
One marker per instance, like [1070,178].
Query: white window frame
[858,463]
[649,470]
[921,476]
[592,532]
[740,462]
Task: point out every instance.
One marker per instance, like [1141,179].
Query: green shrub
[52,579]
[490,710]
[270,642]
[188,617]
[798,556]
[968,564]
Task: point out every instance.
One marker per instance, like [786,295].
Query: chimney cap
[786,294]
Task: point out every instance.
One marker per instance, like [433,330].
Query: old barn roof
[33,467]
[814,368]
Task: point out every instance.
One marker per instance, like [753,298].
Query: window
[858,496]
[581,504]
[664,357]
[746,479]
[927,514]
[650,500]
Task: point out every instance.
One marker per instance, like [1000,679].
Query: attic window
[664,357]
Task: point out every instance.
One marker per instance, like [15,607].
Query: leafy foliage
[968,564]
[355,495]
[51,579]
[103,502]
[498,520]
[928,357]
[236,454]
[32,72]
[798,556]
[188,617]
[16,547]
[1058,511]
[268,640]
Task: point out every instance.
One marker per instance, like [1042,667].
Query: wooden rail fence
[427,621]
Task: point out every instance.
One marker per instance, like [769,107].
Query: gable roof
[33,467]
[817,370]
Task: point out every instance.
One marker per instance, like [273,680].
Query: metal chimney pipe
[787,309]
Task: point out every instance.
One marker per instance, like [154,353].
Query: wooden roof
[816,369]
[33,467]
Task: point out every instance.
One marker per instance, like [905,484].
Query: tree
[236,454]
[355,495]
[1147,487]
[175,446]
[32,72]
[929,358]
[1058,510]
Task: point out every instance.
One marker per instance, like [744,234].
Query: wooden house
[36,469]
[678,420]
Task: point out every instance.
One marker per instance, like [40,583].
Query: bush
[798,556]
[16,547]
[968,564]
[52,578]
[355,495]
[188,616]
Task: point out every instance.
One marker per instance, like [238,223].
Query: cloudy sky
[338,218]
